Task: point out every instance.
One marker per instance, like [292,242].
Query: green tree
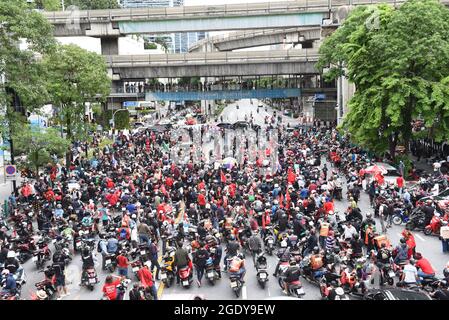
[48,5]
[77,77]
[162,42]
[38,145]
[93,4]
[398,60]
[22,72]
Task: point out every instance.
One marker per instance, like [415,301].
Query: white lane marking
[244,293]
[420,238]
[269,293]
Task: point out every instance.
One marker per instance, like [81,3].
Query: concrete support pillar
[109,46]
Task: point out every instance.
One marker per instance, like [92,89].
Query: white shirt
[349,231]
[410,273]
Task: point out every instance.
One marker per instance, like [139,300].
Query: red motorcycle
[186,275]
[433,228]
[42,254]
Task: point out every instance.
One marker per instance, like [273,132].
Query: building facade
[176,42]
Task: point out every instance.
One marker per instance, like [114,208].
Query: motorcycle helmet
[231,237]
[402,240]
[316,250]
[339,291]
[241,256]
[41,294]
[5,272]
[368,215]
[292,261]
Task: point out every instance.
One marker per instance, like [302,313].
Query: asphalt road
[430,247]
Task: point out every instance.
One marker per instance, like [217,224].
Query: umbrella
[229,162]
[375,169]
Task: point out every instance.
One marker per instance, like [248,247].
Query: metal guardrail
[242,9]
[205,58]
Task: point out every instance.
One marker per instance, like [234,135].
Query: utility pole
[15,107]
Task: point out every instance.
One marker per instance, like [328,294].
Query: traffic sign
[10,172]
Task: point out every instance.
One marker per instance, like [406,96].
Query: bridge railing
[188,11]
[304,55]
[247,9]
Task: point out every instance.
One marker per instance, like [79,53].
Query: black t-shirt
[134,295]
[200,258]
[59,269]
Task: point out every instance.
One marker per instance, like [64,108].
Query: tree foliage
[38,145]
[22,71]
[55,5]
[398,60]
[77,77]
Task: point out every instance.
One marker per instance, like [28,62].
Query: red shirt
[425,266]
[400,182]
[201,200]
[122,261]
[328,206]
[169,182]
[145,276]
[110,289]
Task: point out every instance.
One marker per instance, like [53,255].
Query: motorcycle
[47,285]
[167,273]
[41,255]
[433,228]
[387,275]
[186,276]
[261,268]
[24,247]
[136,266]
[20,280]
[400,216]
[211,274]
[89,278]
[236,284]
[417,220]
[110,262]
[294,288]
[269,241]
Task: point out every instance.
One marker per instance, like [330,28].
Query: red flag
[281,201]
[222,176]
